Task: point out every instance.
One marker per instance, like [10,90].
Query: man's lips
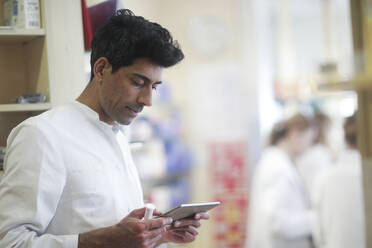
[134,111]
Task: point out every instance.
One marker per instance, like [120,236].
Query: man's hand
[130,232]
[184,230]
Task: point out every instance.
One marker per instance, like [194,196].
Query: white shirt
[279,209]
[350,158]
[312,165]
[340,208]
[66,172]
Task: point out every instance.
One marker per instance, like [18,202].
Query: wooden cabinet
[48,60]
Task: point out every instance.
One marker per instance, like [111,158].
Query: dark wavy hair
[351,132]
[127,37]
[321,125]
[282,129]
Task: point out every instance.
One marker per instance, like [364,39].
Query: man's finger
[184,235]
[156,234]
[157,223]
[202,216]
[157,212]
[187,222]
[191,229]
[137,213]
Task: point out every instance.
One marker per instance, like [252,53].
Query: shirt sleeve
[285,222]
[33,181]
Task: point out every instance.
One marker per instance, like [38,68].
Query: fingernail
[177,224]
[168,221]
[197,216]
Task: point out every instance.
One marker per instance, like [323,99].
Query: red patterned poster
[230,179]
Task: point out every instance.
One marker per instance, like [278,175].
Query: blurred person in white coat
[317,160]
[341,209]
[350,157]
[280,215]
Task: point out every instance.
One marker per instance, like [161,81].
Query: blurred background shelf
[24,107]
[149,183]
[337,86]
[46,60]
[358,83]
[20,35]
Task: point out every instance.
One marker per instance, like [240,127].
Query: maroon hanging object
[88,34]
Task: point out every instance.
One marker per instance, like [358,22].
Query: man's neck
[90,97]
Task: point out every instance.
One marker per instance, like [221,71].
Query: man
[69,176]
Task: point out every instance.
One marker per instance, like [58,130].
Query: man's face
[124,93]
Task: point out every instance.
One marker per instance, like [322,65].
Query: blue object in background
[163,94]
[178,157]
[180,192]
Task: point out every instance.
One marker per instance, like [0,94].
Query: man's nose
[145,97]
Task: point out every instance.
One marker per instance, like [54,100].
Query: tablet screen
[189,209]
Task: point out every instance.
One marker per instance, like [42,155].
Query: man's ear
[100,67]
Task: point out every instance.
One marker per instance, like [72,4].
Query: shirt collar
[90,113]
[116,127]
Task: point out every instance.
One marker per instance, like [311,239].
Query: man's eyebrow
[146,79]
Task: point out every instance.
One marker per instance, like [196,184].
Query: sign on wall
[229,177]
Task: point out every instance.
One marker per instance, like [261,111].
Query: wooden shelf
[24,107]
[20,35]
[357,83]
[151,182]
[337,86]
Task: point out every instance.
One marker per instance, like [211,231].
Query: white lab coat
[350,158]
[340,208]
[316,161]
[279,209]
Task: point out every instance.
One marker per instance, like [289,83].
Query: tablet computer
[189,209]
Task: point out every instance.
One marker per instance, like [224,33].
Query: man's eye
[154,88]
[137,83]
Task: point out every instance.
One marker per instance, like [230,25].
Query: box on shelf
[22,14]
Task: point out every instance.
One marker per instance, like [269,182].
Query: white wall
[65,49]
